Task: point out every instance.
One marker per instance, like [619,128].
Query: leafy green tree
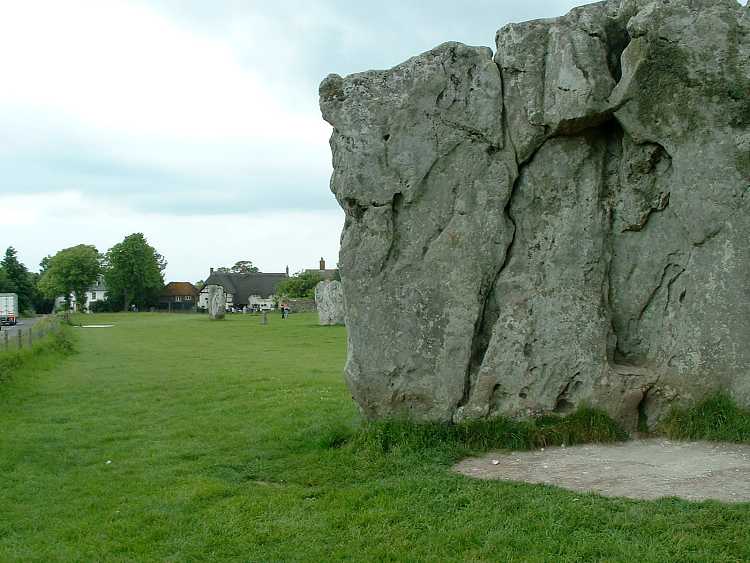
[133,272]
[300,285]
[240,267]
[6,284]
[40,302]
[72,270]
[44,264]
[19,279]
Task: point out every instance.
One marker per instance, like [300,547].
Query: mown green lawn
[172,438]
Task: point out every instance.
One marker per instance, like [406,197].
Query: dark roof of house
[327,274]
[173,289]
[242,286]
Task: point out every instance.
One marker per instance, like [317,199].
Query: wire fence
[19,337]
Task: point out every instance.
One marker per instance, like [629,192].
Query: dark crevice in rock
[563,402]
[353,209]
[543,83]
[609,184]
[608,290]
[488,312]
[580,125]
[392,254]
[587,124]
[617,41]
[386,156]
[495,396]
[645,405]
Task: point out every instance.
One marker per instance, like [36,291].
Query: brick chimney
[212,270]
[322,264]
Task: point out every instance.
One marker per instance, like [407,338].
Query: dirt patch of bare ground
[640,469]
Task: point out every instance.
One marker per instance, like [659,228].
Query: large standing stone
[216,302]
[565,223]
[329,301]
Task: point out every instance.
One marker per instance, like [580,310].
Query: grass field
[171,438]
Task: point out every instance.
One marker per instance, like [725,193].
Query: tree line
[133,272]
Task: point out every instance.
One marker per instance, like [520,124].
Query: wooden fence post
[20,338]
[31,337]
[7,344]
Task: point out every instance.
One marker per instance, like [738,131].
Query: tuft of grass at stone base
[584,425]
[716,418]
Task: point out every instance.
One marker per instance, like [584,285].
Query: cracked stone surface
[329,301]
[641,469]
[564,221]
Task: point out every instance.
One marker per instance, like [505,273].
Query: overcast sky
[195,122]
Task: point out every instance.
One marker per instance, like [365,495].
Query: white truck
[8,308]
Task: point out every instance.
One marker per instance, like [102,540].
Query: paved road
[23,324]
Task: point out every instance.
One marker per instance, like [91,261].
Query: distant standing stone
[216,302]
[329,300]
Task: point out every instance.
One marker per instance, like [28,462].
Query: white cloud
[121,67]
[122,82]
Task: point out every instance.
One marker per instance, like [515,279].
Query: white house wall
[203,299]
[259,302]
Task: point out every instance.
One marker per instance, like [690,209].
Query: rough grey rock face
[329,301]
[564,222]
[216,302]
